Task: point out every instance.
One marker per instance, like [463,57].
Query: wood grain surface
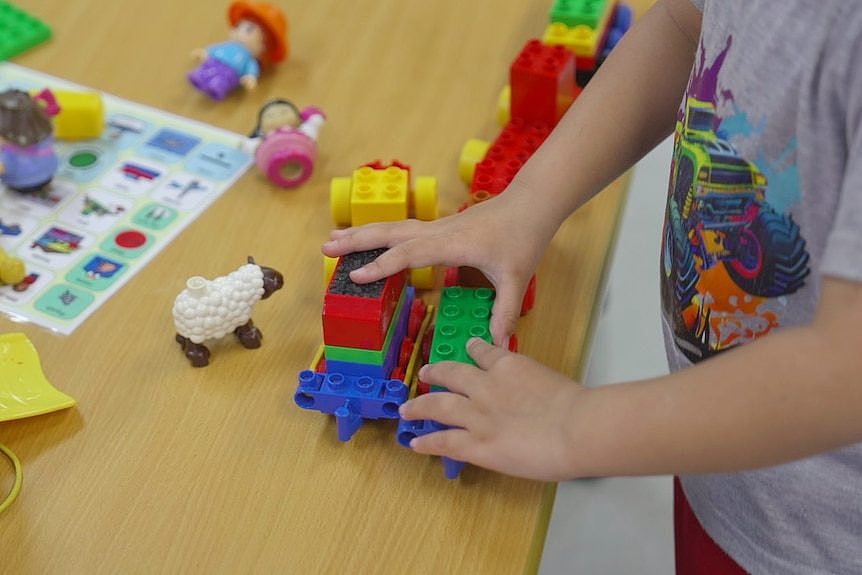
[162,468]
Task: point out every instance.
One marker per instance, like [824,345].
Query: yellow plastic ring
[19,478]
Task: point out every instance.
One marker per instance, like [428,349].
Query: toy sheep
[209,309]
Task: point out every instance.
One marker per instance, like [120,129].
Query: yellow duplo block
[81,117]
[582,40]
[378,195]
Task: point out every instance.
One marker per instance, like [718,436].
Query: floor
[622,525]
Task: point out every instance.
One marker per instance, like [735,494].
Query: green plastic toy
[19,31]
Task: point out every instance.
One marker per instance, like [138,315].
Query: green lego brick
[463,313]
[578,12]
[19,31]
[368,356]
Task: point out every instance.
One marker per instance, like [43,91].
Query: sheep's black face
[272,281]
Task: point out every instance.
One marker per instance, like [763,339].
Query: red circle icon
[130,239]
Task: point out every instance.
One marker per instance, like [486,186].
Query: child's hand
[514,415]
[496,236]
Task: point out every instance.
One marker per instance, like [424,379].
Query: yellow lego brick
[81,117]
[378,195]
[582,40]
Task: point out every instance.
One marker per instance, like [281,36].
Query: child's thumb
[504,315]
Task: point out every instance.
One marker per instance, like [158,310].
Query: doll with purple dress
[27,158]
[258,37]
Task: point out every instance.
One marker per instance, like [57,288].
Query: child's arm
[789,395]
[629,106]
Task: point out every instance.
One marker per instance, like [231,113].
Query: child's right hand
[497,236]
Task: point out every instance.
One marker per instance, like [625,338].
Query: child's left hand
[512,414]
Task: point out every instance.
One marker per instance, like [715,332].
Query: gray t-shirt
[765,199]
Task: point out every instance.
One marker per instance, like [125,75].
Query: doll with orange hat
[258,37]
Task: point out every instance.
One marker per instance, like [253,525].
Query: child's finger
[389,262]
[371,236]
[414,253]
[505,314]
[354,239]
[359,238]
[454,443]
[455,376]
[449,409]
[484,354]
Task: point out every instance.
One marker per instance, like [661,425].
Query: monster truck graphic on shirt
[717,216]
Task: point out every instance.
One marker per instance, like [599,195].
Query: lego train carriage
[375,337]
[369,350]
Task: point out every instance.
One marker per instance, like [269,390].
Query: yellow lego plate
[24,391]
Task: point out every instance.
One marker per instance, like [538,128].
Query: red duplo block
[542,81]
[514,146]
[380,165]
[361,322]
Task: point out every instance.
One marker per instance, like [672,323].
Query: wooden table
[166,468]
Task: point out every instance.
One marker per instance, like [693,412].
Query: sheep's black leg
[249,336]
[197,353]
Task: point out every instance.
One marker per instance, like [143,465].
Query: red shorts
[696,552]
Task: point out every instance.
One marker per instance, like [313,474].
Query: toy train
[377,335]
[544,79]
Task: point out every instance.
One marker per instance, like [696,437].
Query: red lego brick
[515,144]
[358,316]
[542,79]
[381,165]
[529,297]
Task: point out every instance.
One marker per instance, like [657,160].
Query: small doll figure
[258,37]
[275,114]
[27,158]
[286,141]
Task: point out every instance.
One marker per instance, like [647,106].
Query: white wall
[623,525]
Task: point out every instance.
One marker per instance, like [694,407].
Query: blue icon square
[217,161]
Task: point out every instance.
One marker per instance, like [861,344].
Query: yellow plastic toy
[24,390]
[81,117]
[11,269]
[378,192]
[19,478]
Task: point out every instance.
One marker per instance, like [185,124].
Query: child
[763,236]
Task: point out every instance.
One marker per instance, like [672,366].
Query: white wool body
[210,309]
